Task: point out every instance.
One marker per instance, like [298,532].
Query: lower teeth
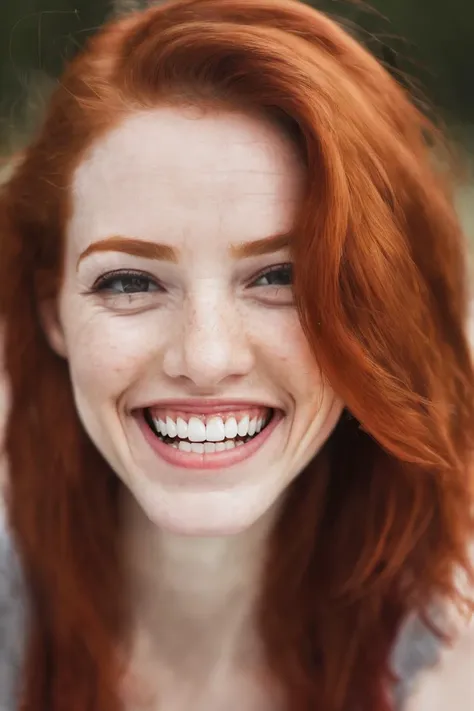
[204,447]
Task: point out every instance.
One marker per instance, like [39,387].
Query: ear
[52,326]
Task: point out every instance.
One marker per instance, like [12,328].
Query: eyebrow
[165,253]
[135,247]
[267,245]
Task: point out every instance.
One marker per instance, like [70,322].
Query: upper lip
[207,405]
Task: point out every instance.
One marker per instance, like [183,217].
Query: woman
[234,297]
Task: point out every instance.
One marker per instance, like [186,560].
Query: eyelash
[275,269]
[105,282]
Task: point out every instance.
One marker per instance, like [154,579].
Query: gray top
[416,649]
[11,621]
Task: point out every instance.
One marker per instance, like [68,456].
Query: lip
[210,461]
[207,406]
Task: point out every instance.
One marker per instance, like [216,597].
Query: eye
[280,275]
[126,282]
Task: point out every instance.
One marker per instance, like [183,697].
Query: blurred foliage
[40,34]
[36,38]
[425,43]
[429,42]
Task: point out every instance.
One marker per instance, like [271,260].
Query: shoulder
[416,650]
[450,683]
[11,618]
[433,676]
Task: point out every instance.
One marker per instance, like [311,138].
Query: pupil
[134,284]
[280,277]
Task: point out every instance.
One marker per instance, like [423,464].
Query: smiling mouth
[204,434]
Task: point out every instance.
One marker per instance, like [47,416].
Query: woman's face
[189,366]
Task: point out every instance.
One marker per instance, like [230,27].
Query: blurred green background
[428,44]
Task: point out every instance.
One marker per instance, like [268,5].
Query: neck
[194,598]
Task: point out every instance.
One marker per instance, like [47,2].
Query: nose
[209,344]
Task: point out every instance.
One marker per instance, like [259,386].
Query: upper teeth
[215,429]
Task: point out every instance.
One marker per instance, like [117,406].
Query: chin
[199,526]
[206,514]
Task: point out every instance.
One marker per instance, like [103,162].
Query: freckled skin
[199,184]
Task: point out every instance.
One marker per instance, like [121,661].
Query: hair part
[377,526]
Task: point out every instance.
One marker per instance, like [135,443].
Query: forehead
[169,172]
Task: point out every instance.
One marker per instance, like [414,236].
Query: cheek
[294,367]
[107,352]
[289,356]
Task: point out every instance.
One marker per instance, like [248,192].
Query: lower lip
[210,460]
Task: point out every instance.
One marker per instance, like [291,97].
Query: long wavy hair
[381,290]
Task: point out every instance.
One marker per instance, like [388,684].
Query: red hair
[380,527]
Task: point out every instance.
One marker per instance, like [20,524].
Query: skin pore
[168,309]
